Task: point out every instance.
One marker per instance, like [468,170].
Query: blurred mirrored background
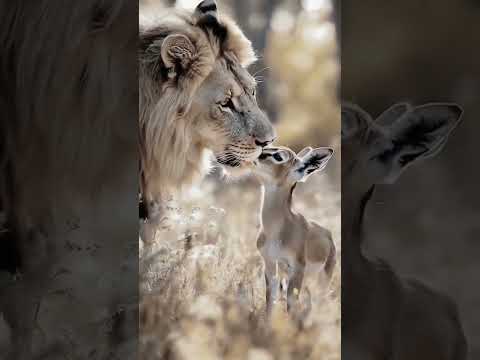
[426,225]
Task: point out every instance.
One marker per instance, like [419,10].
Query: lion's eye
[228,103]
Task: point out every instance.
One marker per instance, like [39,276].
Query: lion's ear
[206,8]
[177,52]
[206,17]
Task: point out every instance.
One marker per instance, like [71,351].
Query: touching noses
[262,131]
[263,142]
[269,135]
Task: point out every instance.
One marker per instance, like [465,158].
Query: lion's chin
[238,170]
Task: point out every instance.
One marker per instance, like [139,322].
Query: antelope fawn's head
[378,151]
[280,166]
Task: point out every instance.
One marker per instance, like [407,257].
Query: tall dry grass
[202,282]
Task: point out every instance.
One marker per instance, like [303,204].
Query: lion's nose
[264,142]
[263,133]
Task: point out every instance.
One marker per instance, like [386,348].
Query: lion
[197,102]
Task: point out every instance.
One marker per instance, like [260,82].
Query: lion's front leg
[152,215]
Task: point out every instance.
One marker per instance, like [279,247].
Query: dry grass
[202,282]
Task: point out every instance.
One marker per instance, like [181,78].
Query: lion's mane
[166,137]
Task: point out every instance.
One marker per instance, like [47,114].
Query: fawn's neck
[276,203]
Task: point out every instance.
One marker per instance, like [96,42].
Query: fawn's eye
[263,156]
[280,157]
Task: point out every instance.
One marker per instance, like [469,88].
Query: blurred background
[424,51]
[213,240]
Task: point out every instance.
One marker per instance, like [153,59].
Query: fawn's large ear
[353,119]
[304,152]
[315,160]
[420,133]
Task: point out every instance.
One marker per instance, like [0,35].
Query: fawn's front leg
[276,289]
[295,282]
[268,292]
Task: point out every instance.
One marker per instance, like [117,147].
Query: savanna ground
[202,282]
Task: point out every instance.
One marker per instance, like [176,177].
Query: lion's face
[228,119]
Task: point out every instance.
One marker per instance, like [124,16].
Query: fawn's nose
[264,142]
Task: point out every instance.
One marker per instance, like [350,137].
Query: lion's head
[197,100]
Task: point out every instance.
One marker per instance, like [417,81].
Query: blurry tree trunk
[337,17]
[254,17]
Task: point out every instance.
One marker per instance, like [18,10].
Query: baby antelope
[286,239]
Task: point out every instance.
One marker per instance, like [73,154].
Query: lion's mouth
[235,156]
[231,162]
[234,162]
